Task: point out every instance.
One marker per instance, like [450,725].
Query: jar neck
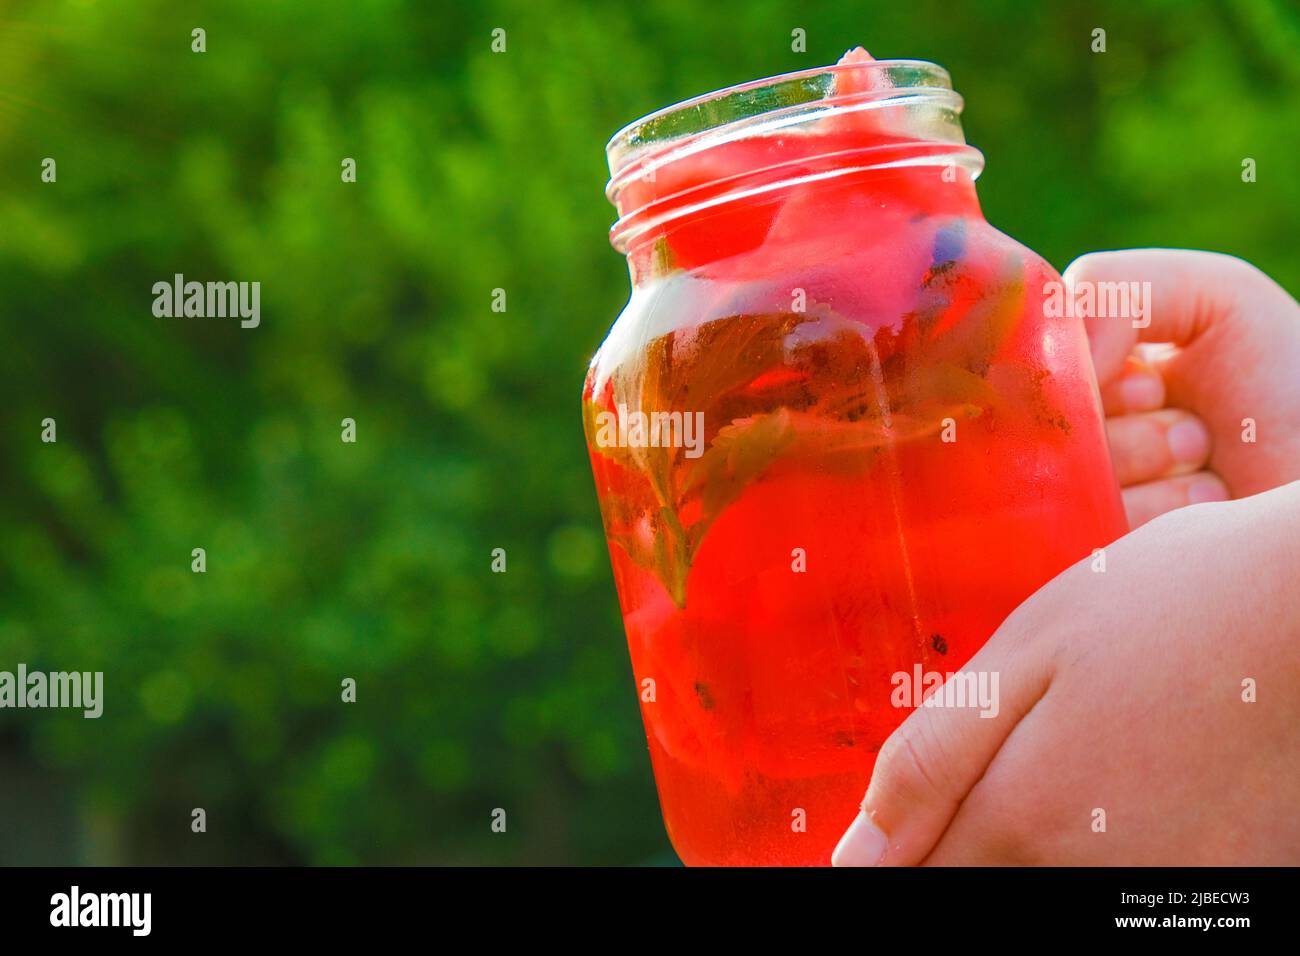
[808,221]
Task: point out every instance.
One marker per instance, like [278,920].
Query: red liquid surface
[828,536]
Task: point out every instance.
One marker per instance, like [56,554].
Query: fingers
[1152,499]
[929,764]
[1159,455]
[1138,388]
[1159,444]
[1160,295]
[1133,393]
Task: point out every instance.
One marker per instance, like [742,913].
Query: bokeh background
[475,171]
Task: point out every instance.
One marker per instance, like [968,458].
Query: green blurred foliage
[476,171]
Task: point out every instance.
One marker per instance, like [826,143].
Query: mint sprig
[849,396]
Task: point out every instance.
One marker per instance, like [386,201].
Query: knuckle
[1247,285]
[1240,269]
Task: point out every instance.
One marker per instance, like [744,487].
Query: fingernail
[863,844]
[1204,490]
[1188,441]
[1141,393]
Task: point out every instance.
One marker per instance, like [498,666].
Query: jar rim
[630,142]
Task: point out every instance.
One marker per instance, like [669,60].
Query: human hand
[1175,416]
[1121,692]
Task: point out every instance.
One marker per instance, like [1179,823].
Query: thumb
[927,766]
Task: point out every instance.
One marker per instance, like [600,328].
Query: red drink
[882,444]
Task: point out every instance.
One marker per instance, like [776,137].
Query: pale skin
[1122,691]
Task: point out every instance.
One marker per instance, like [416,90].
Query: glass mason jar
[838,434]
